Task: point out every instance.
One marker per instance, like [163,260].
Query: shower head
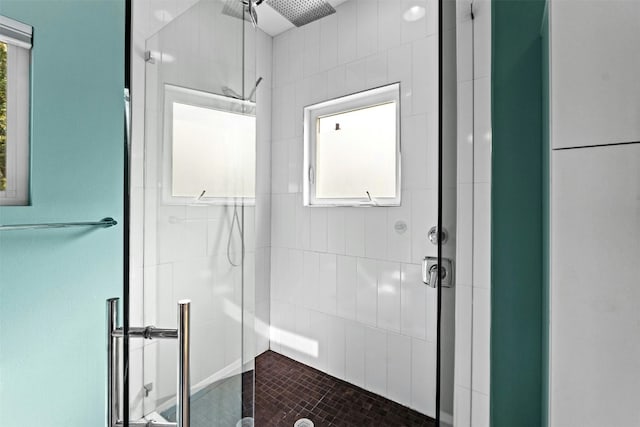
[302,12]
[241,9]
[298,12]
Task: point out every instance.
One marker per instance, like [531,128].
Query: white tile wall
[473,249]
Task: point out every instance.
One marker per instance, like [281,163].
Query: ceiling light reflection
[414,13]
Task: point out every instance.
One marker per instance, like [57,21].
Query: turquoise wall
[53,284]
[517,214]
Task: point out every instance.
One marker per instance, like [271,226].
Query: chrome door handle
[114,336]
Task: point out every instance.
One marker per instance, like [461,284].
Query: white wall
[346,289]
[473,303]
[595,99]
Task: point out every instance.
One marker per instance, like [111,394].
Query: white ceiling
[272,23]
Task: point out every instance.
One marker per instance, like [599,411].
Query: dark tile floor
[287,391]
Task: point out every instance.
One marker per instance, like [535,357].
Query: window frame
[356,101]
[18,38]
[197,98]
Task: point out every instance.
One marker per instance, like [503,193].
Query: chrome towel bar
[105,223]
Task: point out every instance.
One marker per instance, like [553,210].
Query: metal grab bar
[183,409]
[182,334]
[113,362]
[105,223]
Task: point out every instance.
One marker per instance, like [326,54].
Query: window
[210,148]
[15,61]
[352,150]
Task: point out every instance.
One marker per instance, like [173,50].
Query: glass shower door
[199,201]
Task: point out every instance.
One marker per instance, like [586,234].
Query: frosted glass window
[211,154]
[352,150]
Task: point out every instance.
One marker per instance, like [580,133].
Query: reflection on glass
[213,152]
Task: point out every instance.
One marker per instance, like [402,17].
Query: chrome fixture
[115,335]
[302,12]
[242,9]
[227,91]
[433,235]
[430,272]
[105,223]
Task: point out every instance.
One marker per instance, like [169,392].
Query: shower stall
[249,119]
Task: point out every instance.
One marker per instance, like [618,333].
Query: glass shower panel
[448,171]
[199,202]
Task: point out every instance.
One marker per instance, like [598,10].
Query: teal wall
[517,214]
[53,284]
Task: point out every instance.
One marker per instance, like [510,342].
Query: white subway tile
[347,279]
[336,343]
[389,296]
[479,409]
[465,132]
[462,407]
[425,81]
[376,70]
[311,52]
[354,232]
[423,370]
[280,167]
[318,236]
[309,285]
[376,361]
[367,27]
[464,327]
[481,340]
[337,82]
[415,152]
[347,33]
[399,368]
[295,291]
[482,39]
[389,24]
[336,231]
[302,224]
[328,42]
[375,236]
[367,295]
[294,167]
[482,130]
[464,241]
[319,332]
[356,75]
[482,235]
[355,365]
[414,302]
[400,69]
[327,292]
[399,239]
